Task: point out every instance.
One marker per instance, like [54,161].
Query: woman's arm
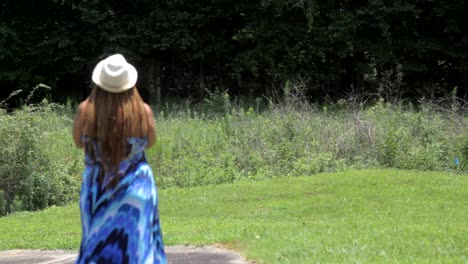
[77,125]
[151,127]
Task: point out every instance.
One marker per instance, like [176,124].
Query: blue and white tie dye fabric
[120,220]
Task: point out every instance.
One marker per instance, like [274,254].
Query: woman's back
[94,157]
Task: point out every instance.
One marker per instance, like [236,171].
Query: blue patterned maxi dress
[120,221]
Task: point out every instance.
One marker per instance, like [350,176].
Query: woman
[118,198]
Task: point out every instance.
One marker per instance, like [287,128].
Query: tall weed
[222,141]
[286,140]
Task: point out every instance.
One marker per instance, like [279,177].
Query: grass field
[370,216]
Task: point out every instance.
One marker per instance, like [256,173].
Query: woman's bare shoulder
[148,109]
[83,105]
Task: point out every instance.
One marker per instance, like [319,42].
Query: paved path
[175,255]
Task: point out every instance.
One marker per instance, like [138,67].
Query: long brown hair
[111,118]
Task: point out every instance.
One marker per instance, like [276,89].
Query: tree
[182,48]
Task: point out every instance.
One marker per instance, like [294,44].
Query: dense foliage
[183,48]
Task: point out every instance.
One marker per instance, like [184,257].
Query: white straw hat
[114,74]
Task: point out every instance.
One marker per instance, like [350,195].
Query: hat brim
[132,78]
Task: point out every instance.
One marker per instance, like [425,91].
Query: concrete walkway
[175,255]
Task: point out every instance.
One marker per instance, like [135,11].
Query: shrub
[35,146]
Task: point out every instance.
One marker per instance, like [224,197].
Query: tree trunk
[151,86]
[201,79]
[267,88]
[158,81]
[463,89]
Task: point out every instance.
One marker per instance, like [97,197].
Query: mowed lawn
[370,216]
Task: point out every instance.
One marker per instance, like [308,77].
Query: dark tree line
[183,48]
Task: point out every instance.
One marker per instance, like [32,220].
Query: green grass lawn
[350,217]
